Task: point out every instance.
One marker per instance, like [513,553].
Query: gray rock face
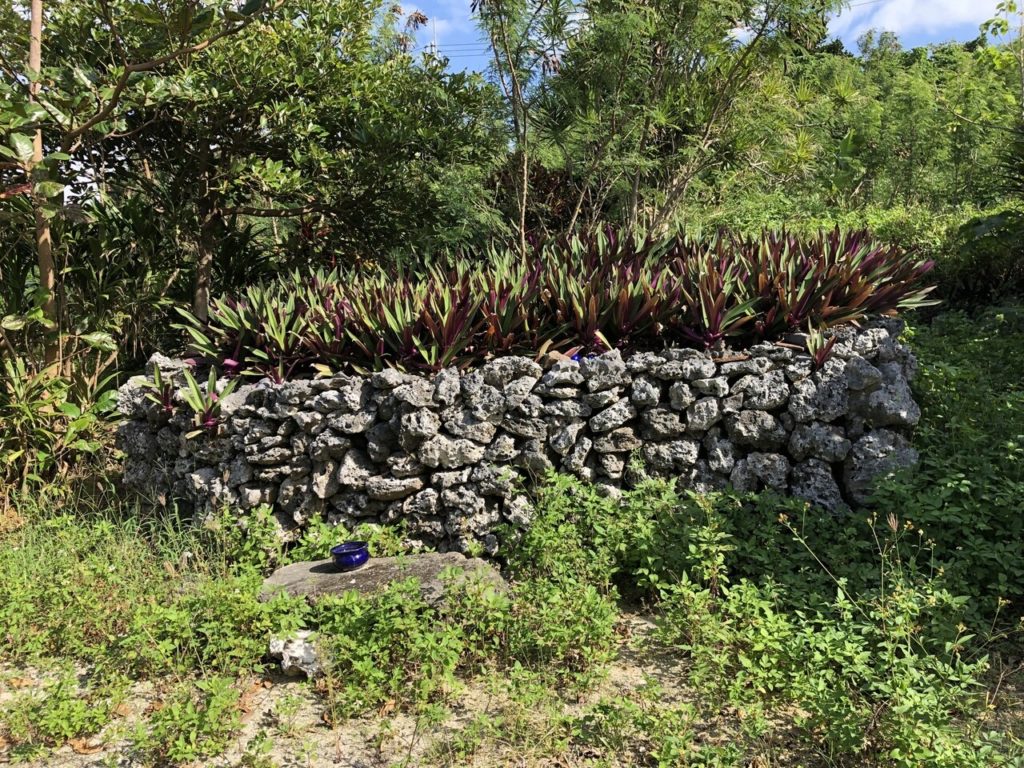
[452,455]
[763,393]
[721,454]
[717,386]
[447,386]
[620,440]
[862,375]
[392,488]
[890,404]
[703,414]
[314,579]
[676,454]
[822,397]
[768,470]
[680,395]
[758,429]
[875,456]
[646,391]
[465,424]
[442,451]
[660,424]
[614,416]
[605,371]
[819,441]
[812,480]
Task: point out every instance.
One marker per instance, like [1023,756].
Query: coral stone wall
[452,455]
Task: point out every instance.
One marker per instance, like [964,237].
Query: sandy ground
[283,723]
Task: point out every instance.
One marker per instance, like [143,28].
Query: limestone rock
[392,488]
[444,451]
[613,416]
[673,455]
[819,441]
[758,429]
[416,427]
[315,579]
[517,391]
[324,480]
[758,470]
[716,387]
[447,386]
[702,415]
[501,371]
[873,457]
[721,454]
[618,440]
[823,396]
[763,393]
[680,395]
[752,366]
[355,469]
[862,375]
[645,391]
[813,480]
[297,654]
[465,424]
[604,371]
[891,404]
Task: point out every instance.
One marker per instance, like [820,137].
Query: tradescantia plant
[585,293]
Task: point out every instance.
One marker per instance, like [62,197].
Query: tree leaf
[12,323]
[22,146]
[48,189]
[99,340]
[146,14]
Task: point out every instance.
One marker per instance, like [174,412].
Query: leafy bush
[966,493]
[60,711]
[197,720]
[42,427]
[874,677]
[986,263]
[584,294]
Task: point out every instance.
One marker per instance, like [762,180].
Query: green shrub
[69,585]
[392,647]
[875,678]
[965,496]
[43,426]
[985,262]
[214,625]
[197,720]
[62,709]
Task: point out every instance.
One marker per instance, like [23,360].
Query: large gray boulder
[314,579]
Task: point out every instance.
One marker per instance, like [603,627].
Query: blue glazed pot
[350,555]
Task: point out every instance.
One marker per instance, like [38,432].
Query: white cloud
[906,17]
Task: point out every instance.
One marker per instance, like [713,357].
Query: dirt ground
[283,723]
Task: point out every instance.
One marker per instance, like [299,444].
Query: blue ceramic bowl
[350,555]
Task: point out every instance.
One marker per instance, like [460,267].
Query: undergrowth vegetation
[587,293]
[794,638]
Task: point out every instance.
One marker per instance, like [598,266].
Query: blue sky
[917,22]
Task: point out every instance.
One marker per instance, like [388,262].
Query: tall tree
[52,111]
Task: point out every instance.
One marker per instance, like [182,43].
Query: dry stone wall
[452,455]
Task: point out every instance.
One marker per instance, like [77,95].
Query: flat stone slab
[312,579]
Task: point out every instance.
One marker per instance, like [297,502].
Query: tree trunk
[208,217]
[44,241]
[204,269]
